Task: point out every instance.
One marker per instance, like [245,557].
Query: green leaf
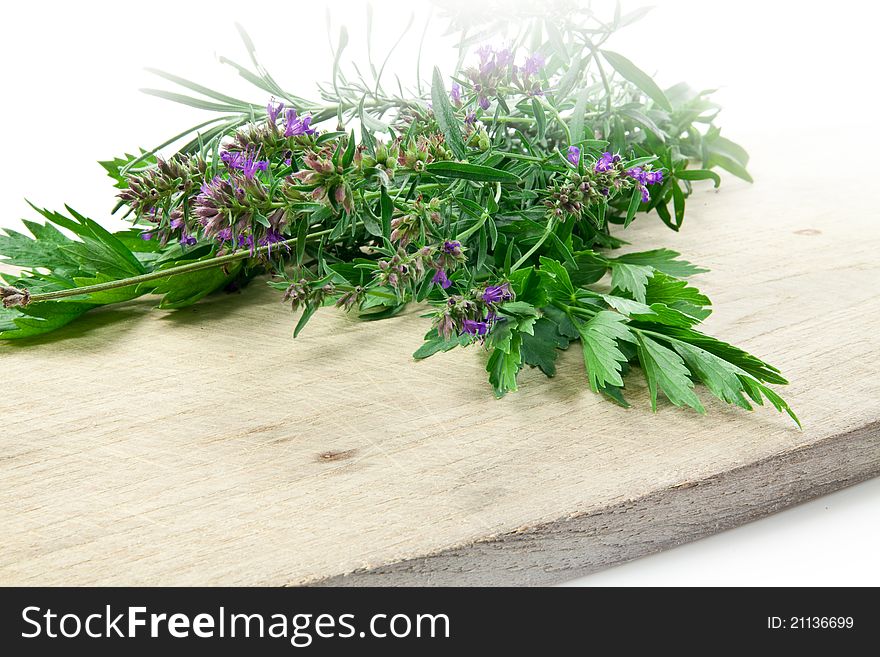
[752,365]
[723,146]
[663,260]
[634,202]
[540,348]
[503,366]
[719,376]
[435,343]
[576,123]
[630,278]
[185,289]
[540,117]
[678,203]
[466,171]
[666,289]
[665,370]
[39,318]
[445,115]
[602,356]
[386,206]
[591,267]
[638,77]
[699,174]
[730,165]
[556,280]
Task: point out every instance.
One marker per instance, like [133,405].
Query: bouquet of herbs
[495,197]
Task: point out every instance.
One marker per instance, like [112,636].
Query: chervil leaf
[185,289]
[540,348]
[556,280]
[631,278]
[678,295]
[734,355]
[503,366]
[39,318]
[602,356]
[435,343]
[665,370]
[717,374]
[663,260]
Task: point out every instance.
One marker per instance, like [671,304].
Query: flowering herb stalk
[496,197]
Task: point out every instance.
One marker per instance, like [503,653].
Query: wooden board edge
[573,546]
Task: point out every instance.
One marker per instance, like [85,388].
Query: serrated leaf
[734,355]
[719,376]
[540,348]
[555,279]
[663,288]
[503,366]
[665,370]
[663,260]
[185,289]
[39,318]
[603,358]
[631,278]
[435,343]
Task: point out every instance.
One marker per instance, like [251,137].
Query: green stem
[167,273]
[461,237]
[559,120]
[530,252]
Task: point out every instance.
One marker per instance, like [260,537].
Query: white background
[71,73]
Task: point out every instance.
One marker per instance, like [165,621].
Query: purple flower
[271,237]
[187,240]
[455,94]
[246,162]
[503,58]
[484,102]
[644,178]
[224,235]
[497,293]
[452,247]
[246,241]
[251,166]
[473,327]
[574,155]
[471,118]
[146,236]
[606,162]
[273,110]
[533,64]
[295,126]
[441,279]
[638,174]
[654,177]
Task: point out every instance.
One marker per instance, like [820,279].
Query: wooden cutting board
[206,446]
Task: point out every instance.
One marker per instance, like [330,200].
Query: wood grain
[205,446]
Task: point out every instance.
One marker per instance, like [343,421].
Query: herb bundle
[496,197]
